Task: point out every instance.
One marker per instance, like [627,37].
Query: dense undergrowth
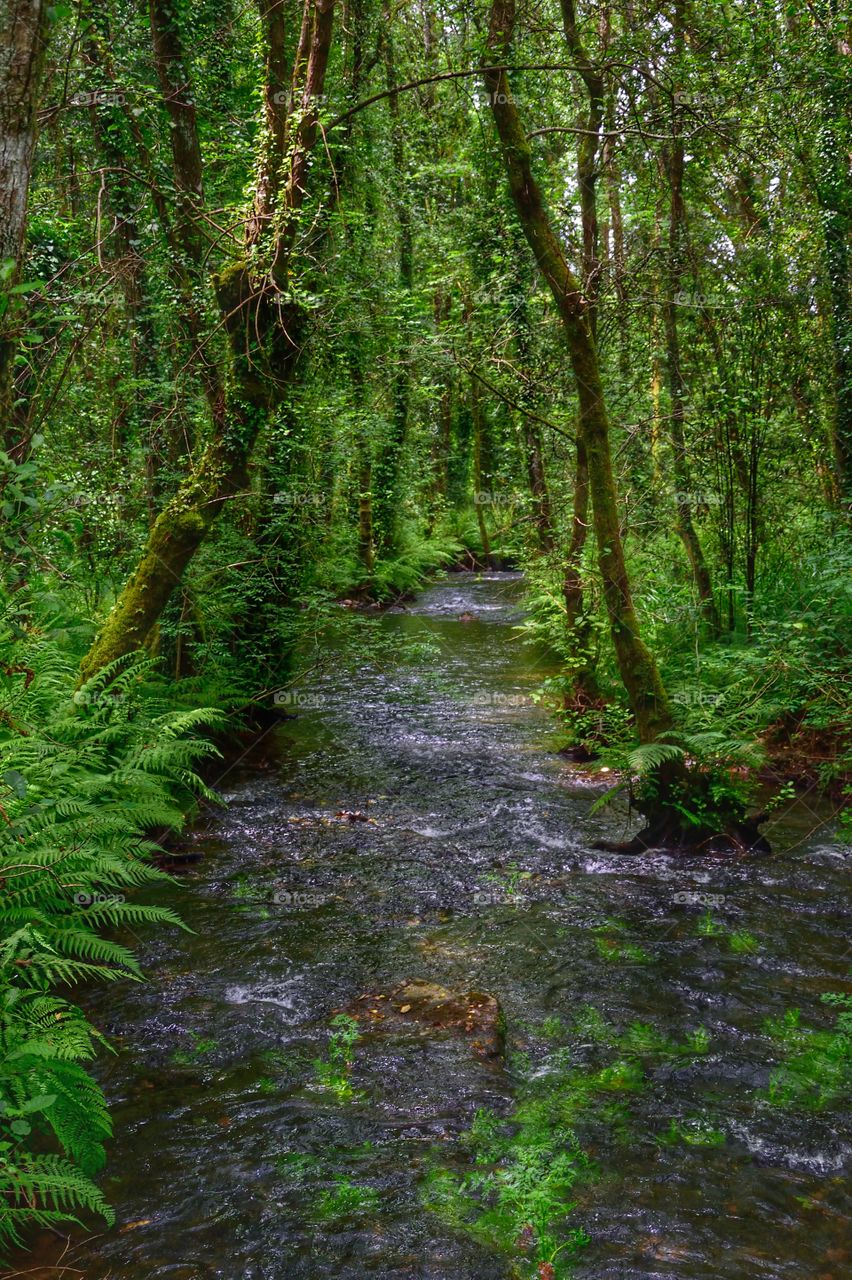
[762,704]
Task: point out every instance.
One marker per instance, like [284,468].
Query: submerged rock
[426,1006]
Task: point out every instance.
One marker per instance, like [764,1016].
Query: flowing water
[224,1146]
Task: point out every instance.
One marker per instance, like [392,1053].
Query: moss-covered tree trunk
[636,664]
[442,425]
[585,692]
[537,481]
[265,334]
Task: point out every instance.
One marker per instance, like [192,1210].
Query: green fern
[84,778]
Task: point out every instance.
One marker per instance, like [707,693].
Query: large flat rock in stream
[426,1009]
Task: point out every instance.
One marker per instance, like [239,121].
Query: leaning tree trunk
[264,342]
[636,664]
[23,32]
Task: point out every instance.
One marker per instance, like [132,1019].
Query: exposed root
[665,834]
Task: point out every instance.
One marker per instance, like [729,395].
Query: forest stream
[416,824]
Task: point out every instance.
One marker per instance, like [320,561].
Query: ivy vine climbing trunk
[264,326]
[636,664]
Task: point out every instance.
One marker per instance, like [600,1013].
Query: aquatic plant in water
[519,1193]
[344,1199]
[693,1131]
[611,944]
[518,1190]
[740,941]
[198,1048]
[334,1072]
[816,1071]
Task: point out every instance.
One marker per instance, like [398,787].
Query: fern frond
[651,755]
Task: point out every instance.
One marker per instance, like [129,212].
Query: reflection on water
[474,869]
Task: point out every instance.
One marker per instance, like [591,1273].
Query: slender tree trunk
[480,497]
[278,88]
[585,686]
[585,691]
[636,665]
[673,165]
[23,39]
[537,480]
[443,434]
[365,503]
[186,270]
[168,36]
[530,429]
[619,258]
[143,415]
[363,450]
[834,194]
[389,461]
